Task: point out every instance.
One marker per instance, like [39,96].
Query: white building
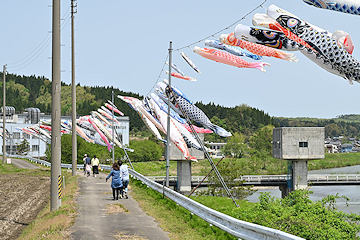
[37,146]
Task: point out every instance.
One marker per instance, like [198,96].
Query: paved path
[20,163]
[95,222]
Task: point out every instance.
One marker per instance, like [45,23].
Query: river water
[350,191]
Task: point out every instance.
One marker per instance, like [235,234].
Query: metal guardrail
[63,165]
[235,227]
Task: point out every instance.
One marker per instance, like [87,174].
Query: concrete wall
[176,154]
[300,174]
[299,143]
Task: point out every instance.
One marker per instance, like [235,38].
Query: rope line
[162,70]
[213,35]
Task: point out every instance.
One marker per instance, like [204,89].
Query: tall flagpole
[113,130]
[55,193]
[73,93]
[168,121]
[4,118]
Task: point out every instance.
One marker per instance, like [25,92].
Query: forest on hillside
[31,91]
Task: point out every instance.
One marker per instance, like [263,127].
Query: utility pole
[4,103]
[113,152]
[55,202]
[73,92]
[168,122]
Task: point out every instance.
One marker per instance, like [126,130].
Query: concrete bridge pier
[184,166]
[184,176]
[298,145]
[298,172]
[285,191]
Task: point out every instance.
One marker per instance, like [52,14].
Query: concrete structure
[176,154]
[298,145]
[302,143]
[184,166]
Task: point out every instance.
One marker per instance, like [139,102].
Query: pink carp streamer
[227,58]
[178,75]
[257,49]
[197,129]
[113,108]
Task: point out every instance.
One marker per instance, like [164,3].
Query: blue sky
[125,44]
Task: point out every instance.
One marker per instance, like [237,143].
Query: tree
[235,146]
[145,150]
[298,215]
[230,173]
[23,147]
[260,141]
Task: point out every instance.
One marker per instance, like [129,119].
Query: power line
[33,55]
[213,35]
[162,69]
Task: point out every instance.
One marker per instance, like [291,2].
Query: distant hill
[31,91]
[345,125]
[349,118]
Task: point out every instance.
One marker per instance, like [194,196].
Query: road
[23,164]
[100,217]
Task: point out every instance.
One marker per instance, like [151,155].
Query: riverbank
[247,166]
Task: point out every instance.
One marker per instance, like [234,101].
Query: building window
[14,149]
[35,148]
[16,135]
[303,144]
[26,136]
[7,149]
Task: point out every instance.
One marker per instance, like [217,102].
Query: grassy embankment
[248,166]
[176,220]
[179,222]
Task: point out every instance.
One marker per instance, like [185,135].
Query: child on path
[116,183]
[88,169]
[124,174]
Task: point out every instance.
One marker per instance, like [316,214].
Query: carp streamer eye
[269,34]
[292,22]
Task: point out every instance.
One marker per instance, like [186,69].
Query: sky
[125,44]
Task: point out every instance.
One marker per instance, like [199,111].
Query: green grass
[178,221]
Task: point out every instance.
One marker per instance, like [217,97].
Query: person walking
[116,183]
[95,165]
[88,159]
[84,159]
[124,174]
[88,169]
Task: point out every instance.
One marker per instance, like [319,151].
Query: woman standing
[116,181]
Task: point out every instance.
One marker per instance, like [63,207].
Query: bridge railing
[333,177]
[235,227]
